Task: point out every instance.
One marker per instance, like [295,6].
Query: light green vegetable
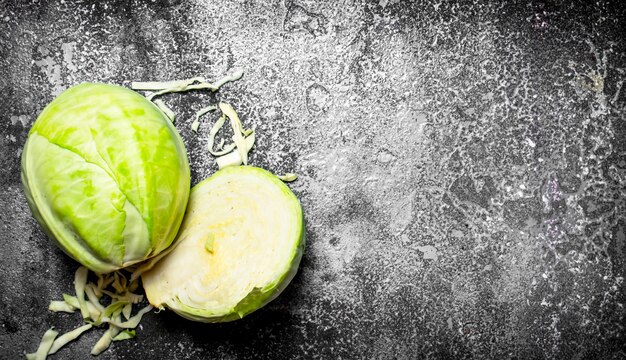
[97,314]
[71,301]
[61,306]
[125,335]
[196,83]
[93,299]
[80,281]
[115,307]
[126,296]
[257,228]
[105,340]
[67,337]
[238,131]
[196,122]
[94,314]
[288,177]
[132,322]
[214,130]
[166,110]
[233,158]
[160,85]
[106,175]
[243,140]
[127,310]
[44,347]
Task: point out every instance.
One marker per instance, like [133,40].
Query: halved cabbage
[239,246]
[106,175]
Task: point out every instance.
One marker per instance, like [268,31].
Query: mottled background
[462,169]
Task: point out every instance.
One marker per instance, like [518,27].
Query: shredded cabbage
[44,347]
[196,121]
[288,177]
[234,158]
[88,299]
[166,110]
[67,337]
[125,335]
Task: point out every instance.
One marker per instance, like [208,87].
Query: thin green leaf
[161,85]
[238,137]
[94,314]
[44,346]
[61,306]
[125,335]
[133,321]
[80,281]
[165,109]
[288,177]
[67,337]
[93,298]
[199,113]
[104,341]
[214,130]
[115,307]
[126,311]
[234,158]
[71,300]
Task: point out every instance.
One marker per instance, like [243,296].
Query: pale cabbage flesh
[256,226]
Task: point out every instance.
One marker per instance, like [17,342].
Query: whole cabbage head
[106,175]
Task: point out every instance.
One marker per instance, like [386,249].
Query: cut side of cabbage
[239,246]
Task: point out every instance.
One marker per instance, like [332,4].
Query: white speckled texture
[462,167]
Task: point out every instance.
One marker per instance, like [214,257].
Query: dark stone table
[462,168]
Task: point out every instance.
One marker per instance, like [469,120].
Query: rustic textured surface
[462,169]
